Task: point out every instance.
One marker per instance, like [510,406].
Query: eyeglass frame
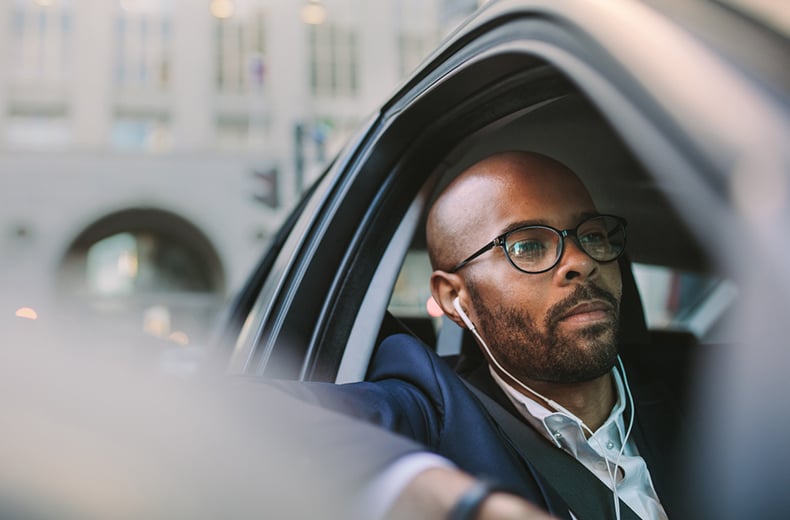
[500,241]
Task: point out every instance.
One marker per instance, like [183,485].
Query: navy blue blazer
[411,391]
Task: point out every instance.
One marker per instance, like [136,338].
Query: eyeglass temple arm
[497,241]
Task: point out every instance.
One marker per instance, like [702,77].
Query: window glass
[680,300]
[333,61]
[38,132]
[143,46]
[41,40]
[240,51]
[418,31]
[412,289]
[141,134]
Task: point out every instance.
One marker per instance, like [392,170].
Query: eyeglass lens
[537,248]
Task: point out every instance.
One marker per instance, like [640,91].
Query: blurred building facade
[150,148]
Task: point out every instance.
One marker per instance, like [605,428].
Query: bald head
[474,206]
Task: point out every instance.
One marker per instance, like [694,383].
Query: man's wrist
[431,494]
[472,500]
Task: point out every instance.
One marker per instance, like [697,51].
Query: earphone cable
[611,467]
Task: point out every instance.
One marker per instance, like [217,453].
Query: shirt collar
[536,413]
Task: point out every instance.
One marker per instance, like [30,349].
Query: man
[542,298]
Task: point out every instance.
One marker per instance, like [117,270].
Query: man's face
[559,326]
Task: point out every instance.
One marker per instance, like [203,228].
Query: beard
[549,355]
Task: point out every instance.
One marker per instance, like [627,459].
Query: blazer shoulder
[404,357]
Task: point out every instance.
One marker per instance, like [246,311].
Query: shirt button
[557,435]
[609,445]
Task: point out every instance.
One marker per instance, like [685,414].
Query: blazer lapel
[655,430]
[481,379]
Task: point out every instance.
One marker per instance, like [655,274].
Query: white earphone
[464,317]
[553,404]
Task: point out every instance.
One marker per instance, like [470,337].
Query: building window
[334,67]
[232,133]
[41,40]
[143,47]
[236,131]
[38,131]
[418,32]
[141,133]
[240,50]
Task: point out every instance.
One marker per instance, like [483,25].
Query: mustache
[581,294]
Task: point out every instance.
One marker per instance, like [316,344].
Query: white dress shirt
[601,453]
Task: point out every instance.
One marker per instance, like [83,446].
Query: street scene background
[149,149]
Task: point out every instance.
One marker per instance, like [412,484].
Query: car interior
[570,129]
[371,230]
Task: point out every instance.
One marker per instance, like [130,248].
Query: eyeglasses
[536,249]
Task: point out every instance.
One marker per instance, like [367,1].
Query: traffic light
[266,186]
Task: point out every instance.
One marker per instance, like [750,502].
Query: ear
[445,287]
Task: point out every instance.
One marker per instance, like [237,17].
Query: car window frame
[652,132]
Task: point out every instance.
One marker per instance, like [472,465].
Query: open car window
[571,129]
[521,82]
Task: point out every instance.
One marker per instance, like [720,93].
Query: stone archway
[146,269]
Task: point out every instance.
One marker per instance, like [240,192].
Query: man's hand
[433,493]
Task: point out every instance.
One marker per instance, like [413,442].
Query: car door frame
[505,60]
